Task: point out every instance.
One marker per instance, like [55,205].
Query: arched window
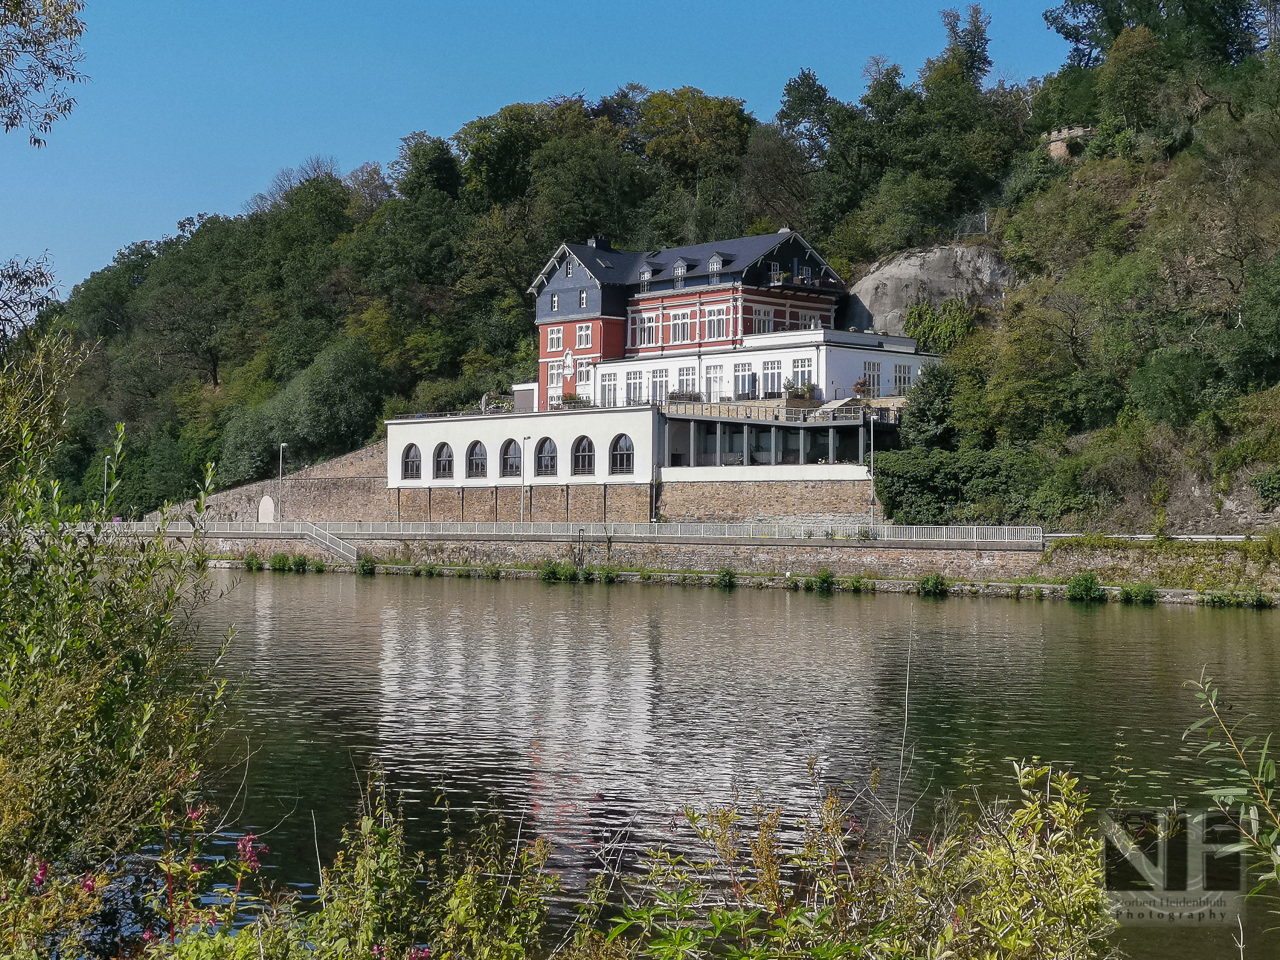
[411,463]
[584,457]
[444,461]
[477,460]
[511,459]
[545,464]
[622,455]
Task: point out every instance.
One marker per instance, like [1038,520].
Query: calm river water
[595,708]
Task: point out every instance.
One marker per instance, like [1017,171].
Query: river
[593,709]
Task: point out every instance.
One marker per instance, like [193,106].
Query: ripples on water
[591,710]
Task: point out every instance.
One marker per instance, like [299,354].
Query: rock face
[881,299]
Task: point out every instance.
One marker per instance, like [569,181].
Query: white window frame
[681,327]
[582,299]
[771,371]
[583,374]
[716,323]
[635,387]
[648,330]
[645,277]
[713,268]
[810,321]
[802,371]
[901,379]
[688,379]
[762,319]
[568,267]
[555,379]
[871,370]
[658,384]
[555,339]
[582,336]
[608,389]
[677,275]
[715,383]
[555,302]
[744,382]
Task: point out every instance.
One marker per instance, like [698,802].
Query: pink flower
[42,874]
[249,850]
[88,883]
[147,936]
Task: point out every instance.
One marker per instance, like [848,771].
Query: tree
[1127,81]
[697,136]
[966,45]
[805,116]
[25,287]
[39,59]
[1211,31]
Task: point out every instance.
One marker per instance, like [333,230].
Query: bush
[1084,588]
[279,562]
[463,573]
[933,585]
[1143,593]
[318,566]
[1252,598]
[825,581]
[491,571]
[1267,486]
[299,563]
[726,579]
[810,585]
[366,566]
[858,584]
[426,570]
[252,562]
[552,572]
[609,574]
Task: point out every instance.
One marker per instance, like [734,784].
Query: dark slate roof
[609,266]
[623,266]
[737,254]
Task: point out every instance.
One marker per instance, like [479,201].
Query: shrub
[426,570]
[1084,588]
[1143,593]
[318,566]
[809,585]
[609,574]
[279,562]
[825,581]
[726,579]
[252,562]
[1252,598]
[933,585]
[858,584]
[1267,486]
[298,563]
[463,573]
[491,571]
[553,572]
[646,576]
[366,566]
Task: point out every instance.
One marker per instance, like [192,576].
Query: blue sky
[193,106]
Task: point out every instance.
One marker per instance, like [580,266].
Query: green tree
[697,136]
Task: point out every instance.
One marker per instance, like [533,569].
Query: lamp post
[524,455]
[105,464]
[280,483]
[871,472]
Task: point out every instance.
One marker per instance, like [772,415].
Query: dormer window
[645,277]
[555,302]
[582,299]
[568,267]
[714,269]
[678,273]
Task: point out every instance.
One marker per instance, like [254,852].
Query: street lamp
[524,450]
[871,472]
[280,484]
[105,464]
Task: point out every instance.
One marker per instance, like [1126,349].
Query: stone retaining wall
[739,501]
[800,558]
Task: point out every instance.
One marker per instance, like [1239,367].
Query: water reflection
[595,709]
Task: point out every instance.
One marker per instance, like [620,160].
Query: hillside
[1128,380]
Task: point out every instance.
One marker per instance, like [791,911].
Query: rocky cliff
[880,300]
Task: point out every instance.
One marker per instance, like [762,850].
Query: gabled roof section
[604,266]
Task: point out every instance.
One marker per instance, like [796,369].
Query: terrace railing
[334,536]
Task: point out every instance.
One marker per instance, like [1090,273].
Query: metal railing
[330,535]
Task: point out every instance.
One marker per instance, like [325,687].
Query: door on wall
[266,510]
